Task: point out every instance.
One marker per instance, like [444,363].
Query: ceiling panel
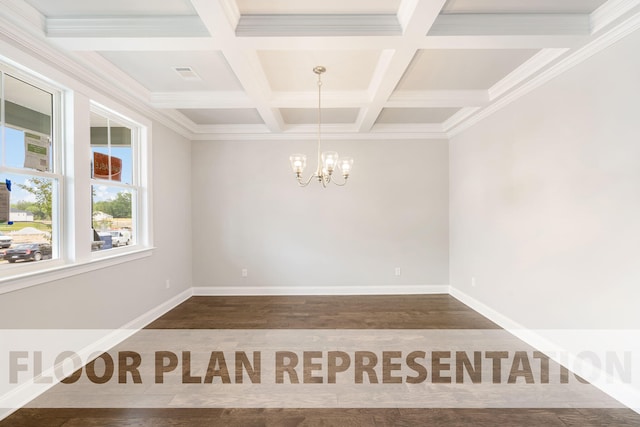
[522,6]
[220,116]
[415,115]
[315,6]
[79,8]
[293,70]
[300,116]
[154,70]
[461,69]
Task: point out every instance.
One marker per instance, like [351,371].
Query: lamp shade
[346,163]
[329,160]
[298,162]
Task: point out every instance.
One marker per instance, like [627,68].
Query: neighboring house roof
[101,215]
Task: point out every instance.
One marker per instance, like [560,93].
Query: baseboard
[151,315]
[319,290]
[623,393]
[26,392]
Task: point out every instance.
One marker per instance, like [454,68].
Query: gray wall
[248,212]
[545,200]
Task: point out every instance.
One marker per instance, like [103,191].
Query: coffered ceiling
[234,69]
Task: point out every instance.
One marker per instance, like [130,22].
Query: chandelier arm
[340,185]
[304,184]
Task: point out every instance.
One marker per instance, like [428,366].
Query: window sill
[57,269]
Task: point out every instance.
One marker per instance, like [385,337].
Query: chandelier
[328,161]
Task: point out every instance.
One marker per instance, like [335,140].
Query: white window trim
[57,171]
[75,258]
[58,269]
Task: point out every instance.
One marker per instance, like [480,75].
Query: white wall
[248,212]
[545,200]
[114,296]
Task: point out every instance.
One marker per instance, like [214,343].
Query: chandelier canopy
[328,161]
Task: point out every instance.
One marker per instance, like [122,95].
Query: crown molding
[143,26]
[282,25]
[23,12]
[598,44]
[372,136]
[525,71]
[510,24]
[609,12]
[459,117]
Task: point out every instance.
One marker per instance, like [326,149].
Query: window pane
[111,150]
[112,216]
[29,237]
[28,119]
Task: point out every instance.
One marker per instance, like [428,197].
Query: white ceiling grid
[395,68]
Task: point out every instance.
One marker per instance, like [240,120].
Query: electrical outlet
[167,283]
[245,272]
[397,272]
[473,282]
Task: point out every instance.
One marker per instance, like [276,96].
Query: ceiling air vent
[187,73]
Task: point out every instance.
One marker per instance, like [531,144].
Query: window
[30,167]
[115,180]
[105,169]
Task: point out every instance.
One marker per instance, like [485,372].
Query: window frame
[136,187]
[71,103]
[57,173]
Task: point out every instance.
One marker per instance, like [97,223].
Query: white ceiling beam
[142,26]
[220,18]
[502,42]
[416,17]
[132,44]
[511,24]
[324,25]
[438,99]
[124,44]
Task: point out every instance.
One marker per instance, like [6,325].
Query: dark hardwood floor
[343,312]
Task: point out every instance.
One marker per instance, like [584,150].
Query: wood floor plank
[321,312]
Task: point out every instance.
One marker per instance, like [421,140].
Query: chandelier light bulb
[329,161]
[346,163]
[298,163]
